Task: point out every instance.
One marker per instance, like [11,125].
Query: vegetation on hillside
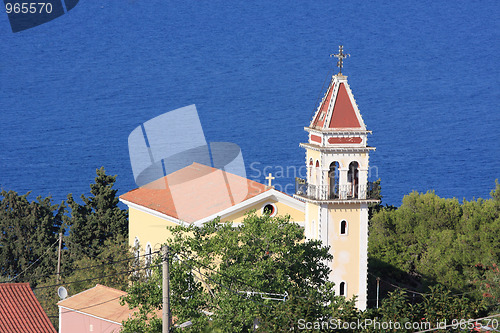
[430,240]
[95,242]
[436,259]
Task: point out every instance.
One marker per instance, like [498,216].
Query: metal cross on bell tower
[341,56]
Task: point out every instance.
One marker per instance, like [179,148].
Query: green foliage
[217,263]
[112,264]
[29,234]
[97,220]
[28,231]
[431,240]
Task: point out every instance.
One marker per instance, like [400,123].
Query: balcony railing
[369,190]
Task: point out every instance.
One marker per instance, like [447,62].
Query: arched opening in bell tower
[333,176]
[353,180]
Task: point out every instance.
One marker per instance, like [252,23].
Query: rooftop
[20,311]
[194,192]
[338,109]
[99,301]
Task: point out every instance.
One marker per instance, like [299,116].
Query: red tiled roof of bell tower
[338,109]
[343,115]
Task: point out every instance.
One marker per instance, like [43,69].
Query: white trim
[363,258]
[87,314]
[59,330]
[148,257]
[154,213]
[307,224]
[269,194]
[300,223]
[337,131]
[336,149]
[354,104]
[337,201]
[331,104]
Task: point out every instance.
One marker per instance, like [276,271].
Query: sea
[425,75]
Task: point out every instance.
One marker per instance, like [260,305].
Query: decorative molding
[344,140]
[337,149]
[337,201]
[363,258]
[344,131]
[316,138]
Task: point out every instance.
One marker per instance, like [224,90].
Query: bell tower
[337,192]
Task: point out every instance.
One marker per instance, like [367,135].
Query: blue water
[425,75]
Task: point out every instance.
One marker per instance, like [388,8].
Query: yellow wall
[312,220]
[345,248]
[148,228]
[314,154]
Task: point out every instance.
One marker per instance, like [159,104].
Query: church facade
[331,204]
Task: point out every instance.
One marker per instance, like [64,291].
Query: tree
[111,268]
[227,273]
[28,236]
[431,240]
[97,220]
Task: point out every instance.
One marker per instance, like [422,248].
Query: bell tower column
[336,189]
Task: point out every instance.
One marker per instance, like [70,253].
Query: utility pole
[378,284]
[59,257]
[166,291]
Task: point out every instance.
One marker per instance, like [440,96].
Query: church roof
[20,311]
[194,192]
[338,109]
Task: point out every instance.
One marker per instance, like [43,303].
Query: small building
[20,311]
[96,309]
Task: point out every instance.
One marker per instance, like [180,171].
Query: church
[331,204]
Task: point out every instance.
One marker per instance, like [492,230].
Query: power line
[95,278]
[93,266]
[86,307]
[106,263]
[416,292]
[47,251]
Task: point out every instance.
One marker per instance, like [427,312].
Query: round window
[269,209]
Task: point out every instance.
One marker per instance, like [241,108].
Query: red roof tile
[338,110]
[343,115]
[194,192]
[20,311]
